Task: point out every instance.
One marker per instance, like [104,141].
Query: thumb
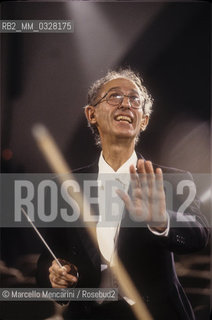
[125,197]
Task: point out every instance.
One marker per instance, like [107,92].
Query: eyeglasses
[116,99]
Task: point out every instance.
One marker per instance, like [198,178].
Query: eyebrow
[113,88]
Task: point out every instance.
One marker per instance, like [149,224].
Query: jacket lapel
[89,173]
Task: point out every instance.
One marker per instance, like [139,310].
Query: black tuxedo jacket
[148,258]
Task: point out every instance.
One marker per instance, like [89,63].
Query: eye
[134,98]
[115,95]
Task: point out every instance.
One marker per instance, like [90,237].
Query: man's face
[120,121]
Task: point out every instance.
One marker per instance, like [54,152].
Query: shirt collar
[105,168]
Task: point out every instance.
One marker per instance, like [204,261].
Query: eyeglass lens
[116,98]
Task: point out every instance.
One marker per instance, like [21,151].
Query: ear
[90,114]
[144,122]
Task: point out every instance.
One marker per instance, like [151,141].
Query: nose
[125,103]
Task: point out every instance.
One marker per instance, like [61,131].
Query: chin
[126,135]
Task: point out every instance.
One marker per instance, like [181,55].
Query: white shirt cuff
[164,233]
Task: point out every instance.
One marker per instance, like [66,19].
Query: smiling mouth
[123,118]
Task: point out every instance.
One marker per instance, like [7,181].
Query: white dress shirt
[106,235]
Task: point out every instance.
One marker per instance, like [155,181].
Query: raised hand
[147,201]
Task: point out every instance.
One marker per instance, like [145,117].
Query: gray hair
[128,74]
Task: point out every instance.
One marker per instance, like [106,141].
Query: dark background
[45,78]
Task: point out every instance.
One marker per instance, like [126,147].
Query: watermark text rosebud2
[51,204]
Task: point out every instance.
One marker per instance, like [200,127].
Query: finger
[134,177]
[54,268]
[67,268]
[56,275]
[142,174]
[55,265]
[150,174]
[57,269]
[71,279]
[54,284]
[64,272]
[140,166]
[132,169]
[58,281]
[125,197]
[149,167]
[159,179]
[67,281]
[159,206]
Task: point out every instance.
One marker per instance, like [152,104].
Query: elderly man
[118,110]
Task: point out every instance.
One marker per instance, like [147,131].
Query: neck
[116,154]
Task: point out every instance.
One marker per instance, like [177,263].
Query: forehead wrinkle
[131,90]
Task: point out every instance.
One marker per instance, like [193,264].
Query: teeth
[124,118]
